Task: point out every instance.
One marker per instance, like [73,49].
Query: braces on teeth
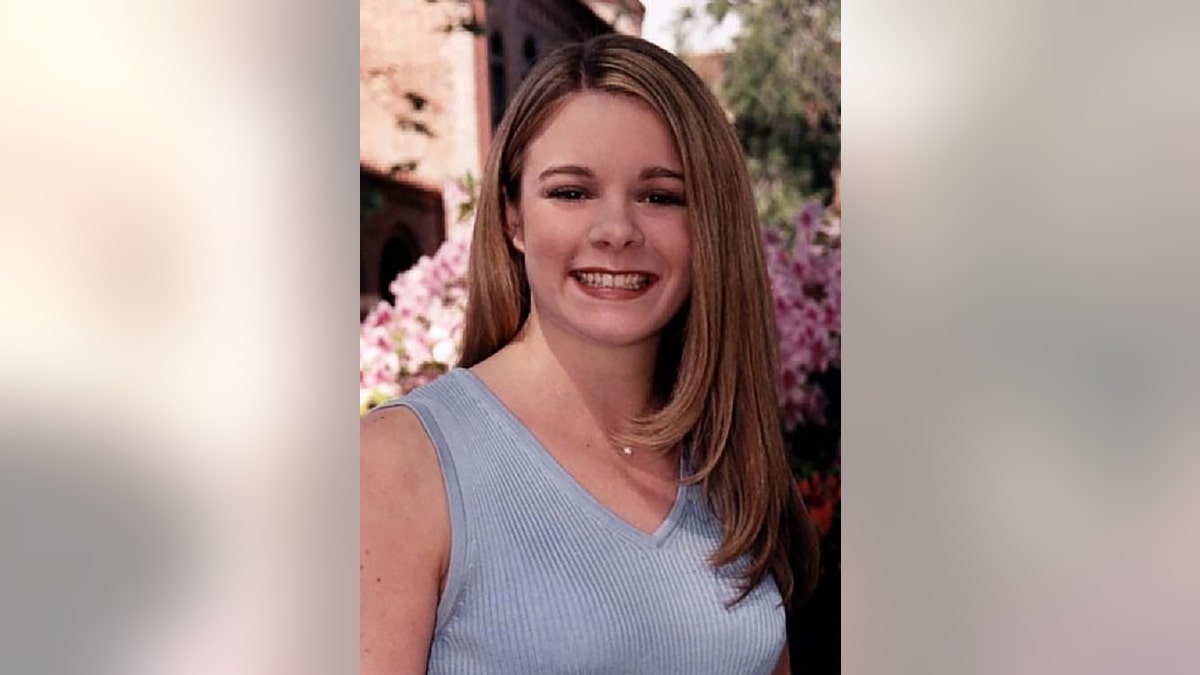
[602,280]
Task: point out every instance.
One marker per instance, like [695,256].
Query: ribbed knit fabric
[545,579]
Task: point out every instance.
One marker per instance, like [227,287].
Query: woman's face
[602,221]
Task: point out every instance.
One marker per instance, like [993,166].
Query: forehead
[600,130]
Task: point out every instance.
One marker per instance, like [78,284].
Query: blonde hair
[718,359]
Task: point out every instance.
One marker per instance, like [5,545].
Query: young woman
[601,486]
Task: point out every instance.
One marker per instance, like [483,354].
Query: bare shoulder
[404,541]
[397,459]
[400,478]
[393,435]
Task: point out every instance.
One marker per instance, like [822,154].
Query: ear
[514,229]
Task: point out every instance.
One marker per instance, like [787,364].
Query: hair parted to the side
[718,360]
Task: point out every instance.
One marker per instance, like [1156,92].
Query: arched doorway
[400,252]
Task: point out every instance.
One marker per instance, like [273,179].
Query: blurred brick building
[710,66]
[435,76]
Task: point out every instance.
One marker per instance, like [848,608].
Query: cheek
[674,247]
[548,238]
[675,244]
[546,251]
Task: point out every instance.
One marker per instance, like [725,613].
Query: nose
[615,227]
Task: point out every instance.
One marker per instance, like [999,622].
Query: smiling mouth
[631,281]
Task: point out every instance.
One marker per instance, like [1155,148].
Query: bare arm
[404,529]
[784,666]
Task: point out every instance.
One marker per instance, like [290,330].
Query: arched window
[399,254]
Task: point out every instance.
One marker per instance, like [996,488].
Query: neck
[612,383]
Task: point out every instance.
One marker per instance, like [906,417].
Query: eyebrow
[584,172]
[566,170]
[660,172]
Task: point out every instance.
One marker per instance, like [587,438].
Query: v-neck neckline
[570,485]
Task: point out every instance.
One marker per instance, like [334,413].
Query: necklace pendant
[627,450]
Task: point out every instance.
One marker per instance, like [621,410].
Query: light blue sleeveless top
[545,579]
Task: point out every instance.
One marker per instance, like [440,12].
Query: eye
[660,198]
[570,194]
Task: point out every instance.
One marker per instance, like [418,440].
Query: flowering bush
[806,283]
[406,345]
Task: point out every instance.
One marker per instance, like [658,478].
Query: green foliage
[783,85]
[470,186]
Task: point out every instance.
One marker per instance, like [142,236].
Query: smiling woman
[601,485]
[603,227]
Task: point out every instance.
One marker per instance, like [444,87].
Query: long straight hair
[717,367]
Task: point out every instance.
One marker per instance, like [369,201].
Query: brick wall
[405,52]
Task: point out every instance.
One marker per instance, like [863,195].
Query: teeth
[605,280]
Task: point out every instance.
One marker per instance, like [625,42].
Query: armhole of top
[456,571]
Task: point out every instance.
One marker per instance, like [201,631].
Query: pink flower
[806,282]
[419,337]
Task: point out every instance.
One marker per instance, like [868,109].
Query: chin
[615,336]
